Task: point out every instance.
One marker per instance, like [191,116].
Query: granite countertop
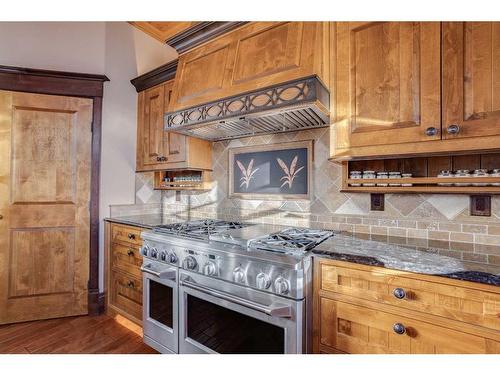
[144,221]
[345,247]
[380,253]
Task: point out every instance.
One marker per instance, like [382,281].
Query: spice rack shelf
[424,171]
[186,179]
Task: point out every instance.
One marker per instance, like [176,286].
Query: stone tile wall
[440,222]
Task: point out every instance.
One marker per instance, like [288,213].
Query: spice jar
[395,175]
[369,175]
[445,174]
[382,175]
[495,173]
[462,173]
[355,175]
[406,175]
[480,173]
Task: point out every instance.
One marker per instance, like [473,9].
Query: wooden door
[45,165]
[387,83]
[156,147]
[359,330]
[471,79]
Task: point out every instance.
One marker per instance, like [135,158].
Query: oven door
[160,306]
[220,317]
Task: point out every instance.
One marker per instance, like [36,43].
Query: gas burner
[200,229]
[293,241]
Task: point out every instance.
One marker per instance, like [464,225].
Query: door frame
[82,85]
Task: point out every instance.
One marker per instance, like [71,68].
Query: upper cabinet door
[387,83]
[152,124]
[471,79]
[256,55]
[174,144]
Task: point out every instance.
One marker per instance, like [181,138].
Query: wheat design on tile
[246,172]
[290,173]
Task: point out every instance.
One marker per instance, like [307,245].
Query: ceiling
[163,31]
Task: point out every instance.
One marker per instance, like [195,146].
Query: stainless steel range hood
[295,105]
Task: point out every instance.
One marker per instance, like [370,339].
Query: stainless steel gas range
[228,287]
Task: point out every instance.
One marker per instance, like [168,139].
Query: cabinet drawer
[126,258]
[126,293]
[459,303]
[126,234]
[355,329]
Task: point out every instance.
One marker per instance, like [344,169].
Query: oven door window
[161,303]
[227,331]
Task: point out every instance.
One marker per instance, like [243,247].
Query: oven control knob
[190,263]
[153,253]
[163,255]
[263,281]
[209,268]
[281,285]
[239,275]
[172,258]
[144,250]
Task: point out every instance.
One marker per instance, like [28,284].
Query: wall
[440,223]
[112,48]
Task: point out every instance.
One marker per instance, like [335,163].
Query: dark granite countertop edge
[471,276]
[119,220]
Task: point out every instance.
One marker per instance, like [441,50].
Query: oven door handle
[164,274]
[275,309]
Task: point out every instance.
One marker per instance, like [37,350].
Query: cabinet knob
[130,252]
[161,158]
[399,293]
[131,236]
[431,131]
[399,328]
[130,284]
[453,129]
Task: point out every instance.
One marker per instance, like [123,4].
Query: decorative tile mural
[438,221]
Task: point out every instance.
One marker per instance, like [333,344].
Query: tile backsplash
[438,221]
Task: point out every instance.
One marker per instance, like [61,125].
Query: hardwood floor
[81,334]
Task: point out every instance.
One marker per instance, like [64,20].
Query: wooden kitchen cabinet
[161,150]
[254,56]
[123,275]
[356,311]
[387,82]
[471,79]
[409,88]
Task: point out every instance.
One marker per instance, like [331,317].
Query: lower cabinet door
[355,329]
[126,293]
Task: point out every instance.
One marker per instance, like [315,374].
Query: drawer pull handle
[399,328]
[131,236]
[130,284]
[130,252]
[399,293]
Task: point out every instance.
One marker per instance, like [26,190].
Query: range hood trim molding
[308,105]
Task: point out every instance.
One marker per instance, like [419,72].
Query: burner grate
[294,241]
[200,229]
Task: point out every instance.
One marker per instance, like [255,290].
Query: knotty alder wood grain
[74,335]
[386,82]
[253,56]
[45,167]
[122,270]
[355,312]
[471,78]
[161,150]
